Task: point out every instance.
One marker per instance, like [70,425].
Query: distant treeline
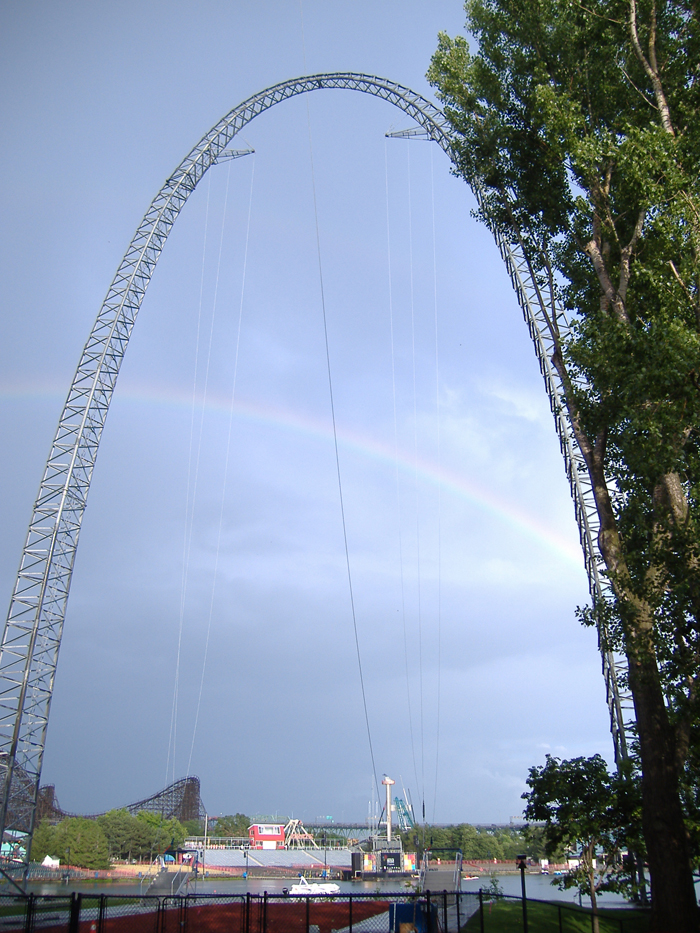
[478,843]
[235,826]
[116,835]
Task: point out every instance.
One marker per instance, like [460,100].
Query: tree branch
[626,256]
[617,304]
[694,303]
[651,69]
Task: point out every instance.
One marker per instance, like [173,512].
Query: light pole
[521,862]
[388,783]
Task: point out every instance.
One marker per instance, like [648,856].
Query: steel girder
[32,634]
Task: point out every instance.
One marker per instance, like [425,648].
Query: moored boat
[314,888]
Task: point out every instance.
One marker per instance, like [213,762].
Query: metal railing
[568,918]
[239,913]
[380,912]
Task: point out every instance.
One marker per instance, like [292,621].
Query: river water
[538,887]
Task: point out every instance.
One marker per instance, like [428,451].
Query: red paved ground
[287,917]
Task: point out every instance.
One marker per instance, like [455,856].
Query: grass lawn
[58,903]
[543,917]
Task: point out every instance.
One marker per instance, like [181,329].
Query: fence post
[481,909]
[264,916]
[444,909]
[75,905]
[522,885]
[459,898]
[350,913]
[308,906]
[101,914]
[29,918]
[559,909]
[183,913]
[429,918]
[247,912]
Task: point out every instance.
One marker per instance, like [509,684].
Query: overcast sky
[205,529]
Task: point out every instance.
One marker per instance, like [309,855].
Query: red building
[266,836]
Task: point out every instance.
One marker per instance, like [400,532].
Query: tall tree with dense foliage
[44,842]
[120,829]
[590,813]
[233,825]
[81,842]
[475,843]
[159,834]
[578,119]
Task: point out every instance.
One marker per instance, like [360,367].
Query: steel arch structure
[32,634]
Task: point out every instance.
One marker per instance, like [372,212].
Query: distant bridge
[346,831]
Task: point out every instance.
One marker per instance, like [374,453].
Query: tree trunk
[594,899]
[673,904]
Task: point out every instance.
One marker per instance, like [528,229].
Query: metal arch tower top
[32,634]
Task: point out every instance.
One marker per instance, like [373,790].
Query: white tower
[388,782]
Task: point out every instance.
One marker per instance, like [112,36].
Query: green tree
[467,840]
[82,842]
[235,825]
[194,827]
[44,842]
[482,843]
[156,834]
[493,889]
[513,842]
[121,833]
[487,845]
[145,842]
[588,812]
[536,846]
[579,121]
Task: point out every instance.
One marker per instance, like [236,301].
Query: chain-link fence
[245,913]
[506,912]
[280,913]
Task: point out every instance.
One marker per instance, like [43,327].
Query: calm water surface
[539,887]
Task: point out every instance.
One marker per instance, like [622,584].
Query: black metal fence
[278,913]
[245,913]
[553,915]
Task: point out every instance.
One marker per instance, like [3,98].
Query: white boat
[311,890]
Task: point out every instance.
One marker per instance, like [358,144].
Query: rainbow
[449,481]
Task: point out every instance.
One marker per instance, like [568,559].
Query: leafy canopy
[558,125]
[76,841]
[592,814]
[577,121]
[234,825]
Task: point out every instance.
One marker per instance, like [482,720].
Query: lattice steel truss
[32,634]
